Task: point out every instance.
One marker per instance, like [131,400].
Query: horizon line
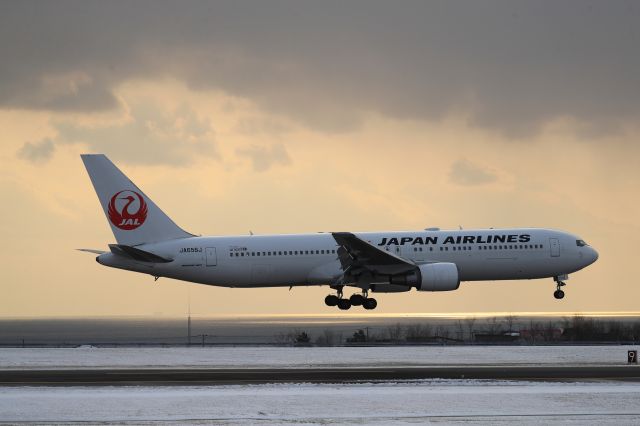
[434,315]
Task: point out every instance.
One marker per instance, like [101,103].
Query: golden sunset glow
[238,131]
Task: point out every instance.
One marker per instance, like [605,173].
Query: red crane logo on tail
[127,210]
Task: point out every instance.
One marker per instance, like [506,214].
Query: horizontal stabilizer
[137,254]
[92,251]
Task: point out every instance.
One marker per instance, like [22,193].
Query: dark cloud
[37,151]
[506,65]
[259,126]
[149,136]
[263,158]
[464,172]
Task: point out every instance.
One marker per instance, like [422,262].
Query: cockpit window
[581,243]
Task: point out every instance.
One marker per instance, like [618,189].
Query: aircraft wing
[358,256]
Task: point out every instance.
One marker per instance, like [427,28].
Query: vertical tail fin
[133,217]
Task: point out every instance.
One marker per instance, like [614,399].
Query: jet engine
[442,276]
[438,277]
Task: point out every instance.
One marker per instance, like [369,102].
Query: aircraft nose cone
[593,255]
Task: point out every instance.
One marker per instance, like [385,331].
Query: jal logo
[127,210]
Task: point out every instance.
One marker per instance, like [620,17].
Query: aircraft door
[554,245]
[212,258]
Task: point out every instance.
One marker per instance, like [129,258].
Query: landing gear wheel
[559,294]
[331,300]
[370,303]
[356,299]
[344,304]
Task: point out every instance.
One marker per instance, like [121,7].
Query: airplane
[149,242]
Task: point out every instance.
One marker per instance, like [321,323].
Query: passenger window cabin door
[397,250]
[554,246]
[212,258]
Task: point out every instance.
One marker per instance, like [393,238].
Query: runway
[225,376]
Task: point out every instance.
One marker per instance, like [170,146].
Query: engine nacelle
[442,276]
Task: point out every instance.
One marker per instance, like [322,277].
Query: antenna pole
[189,316]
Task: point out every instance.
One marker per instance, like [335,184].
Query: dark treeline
[509,329]
[495,330]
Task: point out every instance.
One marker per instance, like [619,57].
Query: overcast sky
[290,116]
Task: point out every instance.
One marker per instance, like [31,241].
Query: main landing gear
[558,294]
[363,300]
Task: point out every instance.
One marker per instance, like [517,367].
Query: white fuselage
[311,259]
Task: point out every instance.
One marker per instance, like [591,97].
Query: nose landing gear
[558,294]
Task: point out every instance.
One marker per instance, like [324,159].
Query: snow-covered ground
[437,401]
[255,357]
[414,402]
